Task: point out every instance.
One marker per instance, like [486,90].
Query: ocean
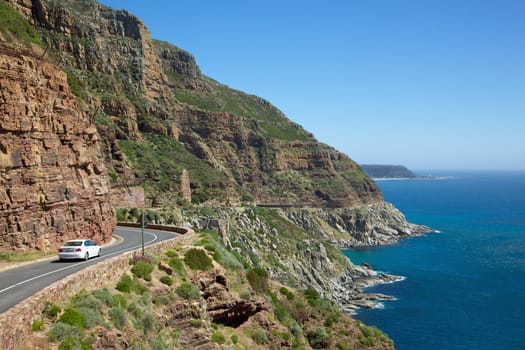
[464,286]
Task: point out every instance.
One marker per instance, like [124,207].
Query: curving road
[19,283]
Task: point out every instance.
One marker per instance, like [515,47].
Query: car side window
[87,244]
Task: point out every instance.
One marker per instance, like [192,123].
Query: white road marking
[83,262]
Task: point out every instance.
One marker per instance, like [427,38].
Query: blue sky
[430,84]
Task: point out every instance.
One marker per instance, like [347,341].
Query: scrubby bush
[177,265]
[128,285]
[163,299]
[143,269]
[119,300]
[104,295]
[197,259]
[289,295]
[167,280]
[188,291]
[158,344]
[37,325]
[91,317]
[317,338]
[258,279]
[170,253]
[124,285]
[218,338]
[72,342]
[118,317]
[259,337]
[51,310]
[62,330]
[73,317]
[196,323]
[146,322]
[235,339]
[245,295]
[313,297]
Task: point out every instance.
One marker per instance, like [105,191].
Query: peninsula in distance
[380,171]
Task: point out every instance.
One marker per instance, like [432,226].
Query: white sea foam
[379,306]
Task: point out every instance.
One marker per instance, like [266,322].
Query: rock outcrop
[53,182]
[300,247]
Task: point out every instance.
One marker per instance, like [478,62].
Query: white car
[79,249]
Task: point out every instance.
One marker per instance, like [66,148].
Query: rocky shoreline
[302,246]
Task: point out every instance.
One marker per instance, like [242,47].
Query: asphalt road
[19,283]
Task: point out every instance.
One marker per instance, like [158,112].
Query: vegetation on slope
[161,303]
[13,25]
[161,159]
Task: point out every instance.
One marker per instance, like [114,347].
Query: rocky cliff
[300,247]
[150,100]
[53,182]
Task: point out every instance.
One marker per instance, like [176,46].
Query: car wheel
[86,257]
[99,251]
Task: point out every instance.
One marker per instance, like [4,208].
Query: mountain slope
[147,97]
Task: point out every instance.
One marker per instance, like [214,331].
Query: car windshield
[73,244]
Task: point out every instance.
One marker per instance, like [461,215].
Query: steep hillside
[198,297]
[150,101]
[53,182]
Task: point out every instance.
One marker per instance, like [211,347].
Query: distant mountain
[387,171]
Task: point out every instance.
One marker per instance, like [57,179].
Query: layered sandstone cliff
[53,182]
[147,95]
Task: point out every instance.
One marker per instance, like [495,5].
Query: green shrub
[368,341]
[177,265]
[37,325]
[167,280]
[146,322]
[235,339]
[284,291]
[188,291]
[73,317]
[135,310]
[128,285]
[72,342]
[119,300]
[124,285]
[91,317]
[331,318]
[118,317]
[62,330]
[170,253]
[245,295]
[317,338]
[282,335]
[196,323]
[122,214]
[197,259]
[163,299]
[259,337]
[258,279]
[51,310]
[218,338]
[143,269]
[104,295]
[313,297]
[86,299]
[158,344]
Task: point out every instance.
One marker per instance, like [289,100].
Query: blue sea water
[465,286]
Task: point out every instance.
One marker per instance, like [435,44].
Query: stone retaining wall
[15,323]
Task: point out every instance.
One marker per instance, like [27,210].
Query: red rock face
[53,183]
